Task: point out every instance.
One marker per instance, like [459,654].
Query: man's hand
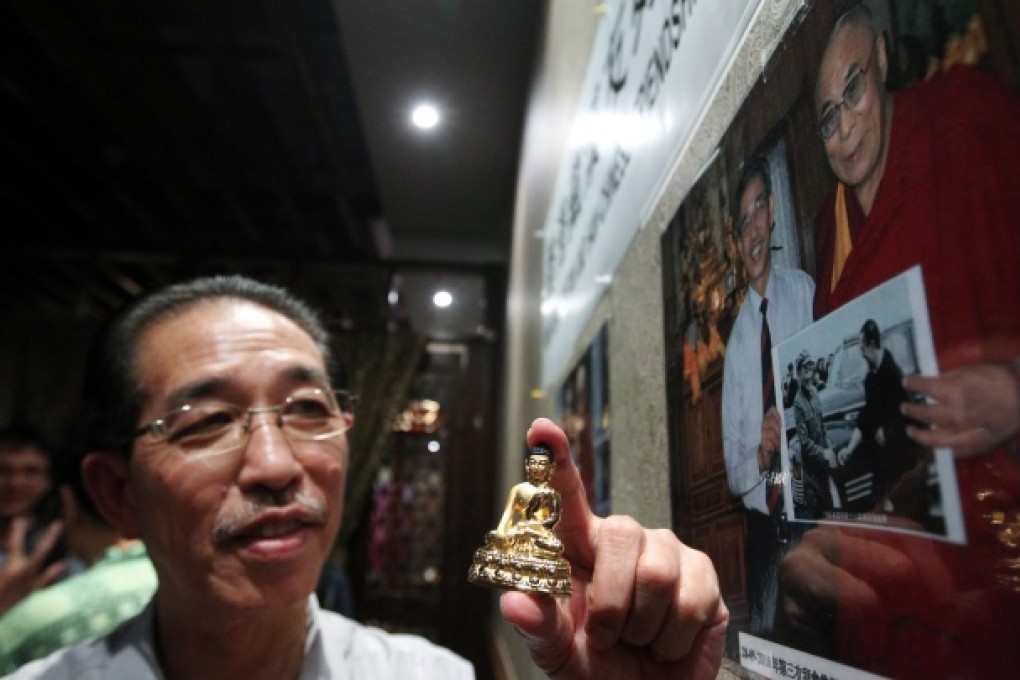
[21,574]
[830,458]
[848,589]
[644,605]
[771,431]
[975,408]
[843,455]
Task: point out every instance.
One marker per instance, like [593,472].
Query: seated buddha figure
[532,510]
[522,552]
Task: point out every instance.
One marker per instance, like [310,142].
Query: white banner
[771,660]
[654,67]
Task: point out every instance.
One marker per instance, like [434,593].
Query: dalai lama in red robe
[929,176]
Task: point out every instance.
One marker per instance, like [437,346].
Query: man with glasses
[215,436]
[752,425]
[926,176]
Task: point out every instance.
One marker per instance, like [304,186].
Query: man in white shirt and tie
[777,305]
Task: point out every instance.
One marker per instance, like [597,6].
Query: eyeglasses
[757,212]
[210,426]
[852,95]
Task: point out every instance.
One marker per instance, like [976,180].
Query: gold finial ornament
[523,553]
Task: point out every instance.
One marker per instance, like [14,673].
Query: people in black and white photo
[879,434]
[817,457]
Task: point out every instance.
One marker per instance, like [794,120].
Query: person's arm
[771,431]
[851,446]
[507,520]
[643,604]
[972,409]
[555,511]
[740,450]
[809,448]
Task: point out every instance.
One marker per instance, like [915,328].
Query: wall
[632,304]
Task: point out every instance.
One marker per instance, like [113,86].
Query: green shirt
[84,606]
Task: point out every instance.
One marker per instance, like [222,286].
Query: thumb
[544,623]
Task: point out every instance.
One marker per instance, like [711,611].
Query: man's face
[871,354]
[24,480]
[753,239]
[249,529]
[856,149]
[807,371]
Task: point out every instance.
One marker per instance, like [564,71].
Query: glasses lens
[829,122]
[313,414]
[757,212]
[759,208]
[203,426]
[854,90]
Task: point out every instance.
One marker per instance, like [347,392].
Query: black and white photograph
[845,448]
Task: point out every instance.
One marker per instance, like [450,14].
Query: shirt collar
[770,288]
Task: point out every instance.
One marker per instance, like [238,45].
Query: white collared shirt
[790,293]
[336,648]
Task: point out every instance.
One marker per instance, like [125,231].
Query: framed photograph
[845,449]
[584,409]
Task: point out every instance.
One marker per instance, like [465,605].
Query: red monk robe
[949,200]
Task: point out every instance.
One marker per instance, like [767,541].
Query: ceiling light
[433,446]
[442,299]
[425,116]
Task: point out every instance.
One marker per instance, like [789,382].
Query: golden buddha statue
[523,553]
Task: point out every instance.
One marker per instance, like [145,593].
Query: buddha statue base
[537,571]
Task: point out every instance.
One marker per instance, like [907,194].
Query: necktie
[768,392]
[773,482]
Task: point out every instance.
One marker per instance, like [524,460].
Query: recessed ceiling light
[425,116]
[442,299]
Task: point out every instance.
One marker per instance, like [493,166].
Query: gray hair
[112,401]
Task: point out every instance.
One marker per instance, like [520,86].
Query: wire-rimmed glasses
[853,93]
[210,426]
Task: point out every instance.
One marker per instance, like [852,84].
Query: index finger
[16,536]
[928,386]
[574,528]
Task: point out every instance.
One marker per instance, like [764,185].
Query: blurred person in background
[29,550]
[117,582]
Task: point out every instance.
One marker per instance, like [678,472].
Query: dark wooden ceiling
[144,142]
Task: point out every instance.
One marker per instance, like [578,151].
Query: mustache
[229,524]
